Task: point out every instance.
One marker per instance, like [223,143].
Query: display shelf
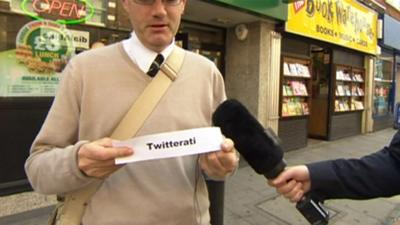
[349,89]
[295,87]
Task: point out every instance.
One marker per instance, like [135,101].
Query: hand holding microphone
[299,184]
[260,148]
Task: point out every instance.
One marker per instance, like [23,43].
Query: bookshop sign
[341,22]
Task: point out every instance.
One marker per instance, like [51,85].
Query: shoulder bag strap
[75,202]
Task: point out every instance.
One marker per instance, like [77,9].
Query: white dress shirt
[141,55]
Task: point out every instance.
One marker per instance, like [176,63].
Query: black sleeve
[374,175]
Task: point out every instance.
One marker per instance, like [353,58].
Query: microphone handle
[313,211]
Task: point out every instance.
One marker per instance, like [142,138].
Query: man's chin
[161,43]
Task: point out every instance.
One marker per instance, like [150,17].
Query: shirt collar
[141,55]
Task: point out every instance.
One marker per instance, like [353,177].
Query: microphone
[261,149]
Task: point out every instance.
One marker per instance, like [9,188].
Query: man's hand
[97,159]
[221,163]
[293,182]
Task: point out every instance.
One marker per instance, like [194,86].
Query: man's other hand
[97,158]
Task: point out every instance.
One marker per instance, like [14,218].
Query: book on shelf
[285,111]
[298,108]
[346,106]
[358,77]
[354,91]
[294,107]
[305,109]
[360,91]
[340,90]
[302,70]
[293,69]
[286,69]
[299,88]
[352,106]
[289,91]
[337,108]
[347,90]
[296,69]
[303,89]
[306,71]
[346,76]
[291,108]
[284,92]
[339,75]
[358,105]
[342,105]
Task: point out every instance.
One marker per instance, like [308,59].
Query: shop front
[385,78]
[37,38]
[325,70]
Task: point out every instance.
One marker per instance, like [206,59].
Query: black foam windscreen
[257,147]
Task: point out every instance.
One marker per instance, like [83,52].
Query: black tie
[155,65]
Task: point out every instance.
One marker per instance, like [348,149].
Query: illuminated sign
[342,22]
[33,69]
[65,11]
[44,46]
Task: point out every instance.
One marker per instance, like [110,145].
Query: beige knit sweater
[97,89]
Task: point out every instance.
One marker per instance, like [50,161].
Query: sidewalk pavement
[249,201]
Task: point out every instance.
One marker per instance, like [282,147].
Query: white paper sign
[172,144]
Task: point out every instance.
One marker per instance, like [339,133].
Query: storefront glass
[383,88]
[37,38]
[204,40]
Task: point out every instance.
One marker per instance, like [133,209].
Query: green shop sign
[44,46]
[68,12]
[276,9]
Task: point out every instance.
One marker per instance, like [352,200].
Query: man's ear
[184,6]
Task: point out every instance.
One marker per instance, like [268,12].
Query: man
[98,87]
[372,176]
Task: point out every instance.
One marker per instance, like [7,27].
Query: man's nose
[159,8]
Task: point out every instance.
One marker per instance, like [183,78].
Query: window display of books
[357,77]
[356,105]
[296,69]
[294,88]
[341,105]
[343,90]
[357,91]
[343,75]
[294,107]
[349,93]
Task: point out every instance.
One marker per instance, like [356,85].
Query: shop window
[204,40]
[100,13]
[383,88]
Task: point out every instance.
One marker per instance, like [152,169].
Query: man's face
[155,24]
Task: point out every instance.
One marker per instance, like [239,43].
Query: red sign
[297,5]
[61,8]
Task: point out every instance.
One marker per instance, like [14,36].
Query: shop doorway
[319,113]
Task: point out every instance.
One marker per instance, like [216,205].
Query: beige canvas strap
[147,101]
[74,204]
